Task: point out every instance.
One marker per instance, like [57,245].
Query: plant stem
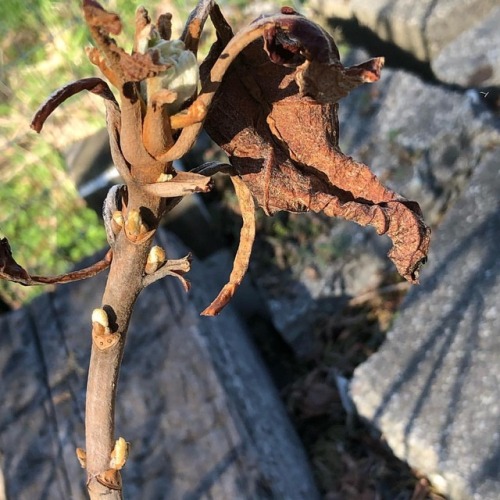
[125,282]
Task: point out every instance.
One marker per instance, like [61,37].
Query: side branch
[242,258]
[10,270]
[176,268]
[94,85]
[81,274]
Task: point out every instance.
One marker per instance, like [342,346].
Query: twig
[176,268]
[242,258]
[10,270]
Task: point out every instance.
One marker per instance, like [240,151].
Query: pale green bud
[182,77]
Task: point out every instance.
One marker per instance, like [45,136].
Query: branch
[242,258]
[10,270]
[175,267]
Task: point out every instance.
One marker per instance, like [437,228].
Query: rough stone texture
[194,400]
[433,389]
[424,142]
[473,58]
[323,273]
[422,28]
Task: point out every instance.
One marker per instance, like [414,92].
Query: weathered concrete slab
[422,28]
[433,389]
[202,416]
[423,140]
[473,58]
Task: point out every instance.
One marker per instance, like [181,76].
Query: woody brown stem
[125,282]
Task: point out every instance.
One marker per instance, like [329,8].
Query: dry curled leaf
[276,117]
[116,64]
[95,85]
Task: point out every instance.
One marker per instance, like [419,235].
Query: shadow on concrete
[462,315]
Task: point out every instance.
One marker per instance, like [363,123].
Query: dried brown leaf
[217,69]
[297,42]
[9,269]
[97,16]
[282,136]
[121,67]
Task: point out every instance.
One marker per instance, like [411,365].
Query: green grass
[48,225]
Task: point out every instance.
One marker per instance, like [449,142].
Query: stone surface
[423,140]
[319,274]
[433,389]
[194,400]
[422,28]
[473,58]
